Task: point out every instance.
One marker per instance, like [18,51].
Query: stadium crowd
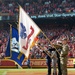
[37,7]
[55,34]
[4,36]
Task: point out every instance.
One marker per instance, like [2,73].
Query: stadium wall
[41,63]
[35,63]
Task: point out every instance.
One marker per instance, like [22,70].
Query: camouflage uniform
[54,62]
[63,59]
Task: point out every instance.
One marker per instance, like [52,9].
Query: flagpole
[18,18]
[46,51]
[49,41]
[17,25]
[10,36]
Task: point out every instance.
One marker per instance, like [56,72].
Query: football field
[71,71]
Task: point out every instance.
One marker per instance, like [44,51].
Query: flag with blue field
[8,52]
[17,56]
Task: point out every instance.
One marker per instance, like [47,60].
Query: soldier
[54,62]
[64,56]
[58,56]
[48,60]
[58,47]
[58,63]
[28,63]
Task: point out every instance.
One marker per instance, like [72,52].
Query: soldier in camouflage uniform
[64,56]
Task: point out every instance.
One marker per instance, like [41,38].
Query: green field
[71,71]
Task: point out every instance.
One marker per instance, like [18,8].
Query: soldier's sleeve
[64,51]
[57,46]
